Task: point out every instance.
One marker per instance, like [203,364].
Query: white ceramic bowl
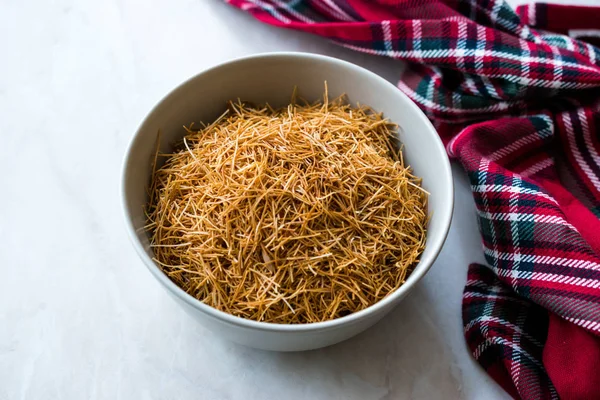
[271,78]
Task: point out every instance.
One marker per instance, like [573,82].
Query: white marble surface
[80,317]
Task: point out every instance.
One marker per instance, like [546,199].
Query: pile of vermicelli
[295,215]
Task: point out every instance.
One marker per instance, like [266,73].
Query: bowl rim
[445,212]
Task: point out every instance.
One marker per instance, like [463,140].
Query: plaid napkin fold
[517,103]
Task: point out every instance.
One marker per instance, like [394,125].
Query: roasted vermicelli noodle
[295,215]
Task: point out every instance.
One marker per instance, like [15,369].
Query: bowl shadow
[406,355]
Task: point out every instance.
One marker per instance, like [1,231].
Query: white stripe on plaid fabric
[482,178]
[337,11]
[416,33]
[531,15]
[481,43]
[525,140]
[494,13]
[566,280]
[422,55]
[548,260]
[576,151]
[535,168]
[591,52]
[450,146]
[588,33]
[510,189]
[546,277]
[480,49]
[461,43]
[479,284]
[271,10]
[497,340]
[558,70]
[511,147]
[494,16]
[469,295]
[526,33]
[489,307]
[387,35]
[485,319]
[491,88]
[500,106]
[436,77]
[470,85]
[592,325]
[513,208]
[515,367]
[525,217]
[569,45]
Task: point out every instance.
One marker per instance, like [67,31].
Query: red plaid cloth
[519,107]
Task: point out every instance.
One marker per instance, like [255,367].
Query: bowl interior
[272,78]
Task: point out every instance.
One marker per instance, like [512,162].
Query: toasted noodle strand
[295,215]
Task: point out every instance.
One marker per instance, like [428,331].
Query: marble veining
[80,317]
